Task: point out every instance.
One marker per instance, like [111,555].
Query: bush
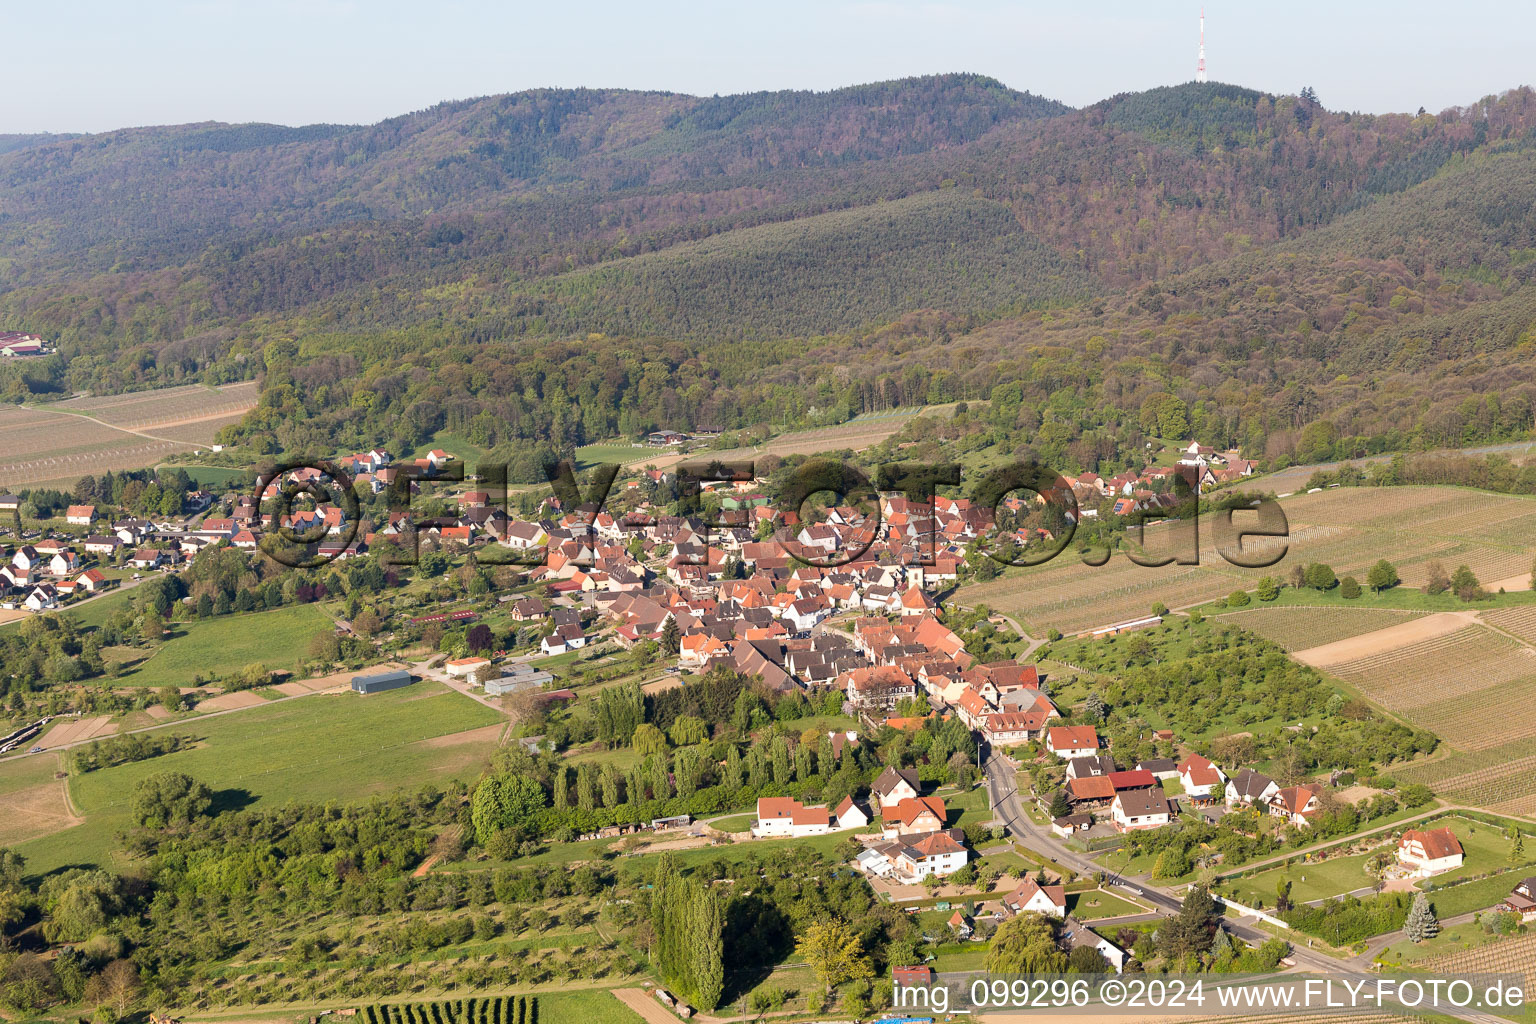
[1237,599]
[1349,588]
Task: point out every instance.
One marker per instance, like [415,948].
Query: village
[825,608]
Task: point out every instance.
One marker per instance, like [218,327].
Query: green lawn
[317,748]
[590,455]
[736,823]
[1096,904]
[585,1006]
[276,639]
[213,478]
[1486,850]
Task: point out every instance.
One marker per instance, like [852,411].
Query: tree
[1382,576]
[1094,707]
[1060,808]
[1086,960]
[1349,588]
[152,628]
[1320,576]
[1415,794]
[1421,923]
[1465,584]
[1025,944]
[169,697]
[1268,588]
[1172,862]
[479,639]
[1193,929]
[648,740]
[1516,846]
[688,729]
[117,986]
[834,952]
[169,800]
[505,802]
[1436,581]
[671,636]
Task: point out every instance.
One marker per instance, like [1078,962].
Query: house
[783,816]
[912,977]
[80,515]
[1296,804]
[1203,782]
[1135,809]
[245,540]
[1162,768]
[934,853]
[1248,789]
[913,816]
[42,598]
[64,563]
[565,638]
[893,786]
[1430,852]
[106,546]
[463,668]
[1069,741]
[959,925]
[850,814]
[27,557]
[9,503]
[1074,934]
[1522,900]
[147,558]
[1031,897]
[1070,824]
[91,580]
[1084,767]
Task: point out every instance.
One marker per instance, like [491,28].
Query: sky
[92,66]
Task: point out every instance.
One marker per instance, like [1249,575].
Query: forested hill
[787,257]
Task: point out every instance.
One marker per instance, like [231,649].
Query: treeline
[117,750]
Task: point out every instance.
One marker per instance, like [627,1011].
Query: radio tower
[1200,63]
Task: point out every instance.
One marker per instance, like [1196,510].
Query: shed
[376,682]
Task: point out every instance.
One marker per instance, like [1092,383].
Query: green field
[216,647]
[1486,850]
[212,478]
[590,455]
[316,748]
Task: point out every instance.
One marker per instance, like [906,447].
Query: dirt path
[1383,641]
[646,1005]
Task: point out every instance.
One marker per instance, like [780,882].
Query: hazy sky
[93,65]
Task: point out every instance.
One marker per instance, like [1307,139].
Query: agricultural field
[57,444]
[1349,528]
[1497,777]
[1298,627]
[1520,622]
[1513,955]
[213,647]
[34,801]
[316,748]
[1458,684]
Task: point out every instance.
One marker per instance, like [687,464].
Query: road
[1003,793]
[1007,805]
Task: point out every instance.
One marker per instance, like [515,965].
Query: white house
[1074,934]
[875,861]
[934,853]
[850,814]
[1030,897]
[42,598]
[1069,741]
[1202,780]
[783,816]
[64,563]
[893,786]
[80,515]
[1248,788]
[1429,852]
[1136,809]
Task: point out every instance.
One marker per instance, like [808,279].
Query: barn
[376,682]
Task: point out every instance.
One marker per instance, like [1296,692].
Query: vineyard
[55,445]
[1520,621]
[1498,778]
[488,1010]
[1515,955]
[1349,528]
[1300,628]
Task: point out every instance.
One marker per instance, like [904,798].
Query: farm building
[377,682]
[515,677]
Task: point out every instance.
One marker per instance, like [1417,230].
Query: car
[138,576]
[35,750]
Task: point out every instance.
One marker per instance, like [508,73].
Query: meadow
[317,748]
[214,647]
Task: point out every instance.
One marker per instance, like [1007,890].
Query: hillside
[1268,265]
